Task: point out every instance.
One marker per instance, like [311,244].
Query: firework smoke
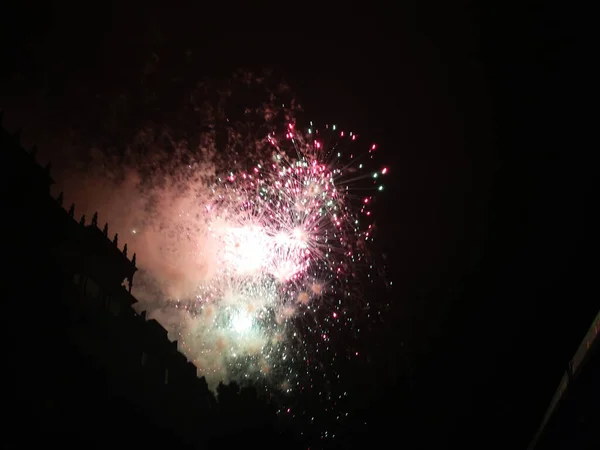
[240,246]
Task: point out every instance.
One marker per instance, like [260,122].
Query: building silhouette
[572,421]
[82,367]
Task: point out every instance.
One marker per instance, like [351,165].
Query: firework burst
[252,233]
[281,237]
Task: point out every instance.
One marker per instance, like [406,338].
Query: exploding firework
[281,236]
[250,255]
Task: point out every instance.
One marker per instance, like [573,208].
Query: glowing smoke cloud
[234,254]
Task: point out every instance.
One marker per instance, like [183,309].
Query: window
[113,305]
[92,290]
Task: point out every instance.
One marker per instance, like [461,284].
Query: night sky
[478,112]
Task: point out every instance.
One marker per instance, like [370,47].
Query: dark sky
[486,219]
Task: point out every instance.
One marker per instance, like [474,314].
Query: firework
[281,238]
[251,251]
[252,228]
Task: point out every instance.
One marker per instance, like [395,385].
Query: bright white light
[241,322]
[246,249]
